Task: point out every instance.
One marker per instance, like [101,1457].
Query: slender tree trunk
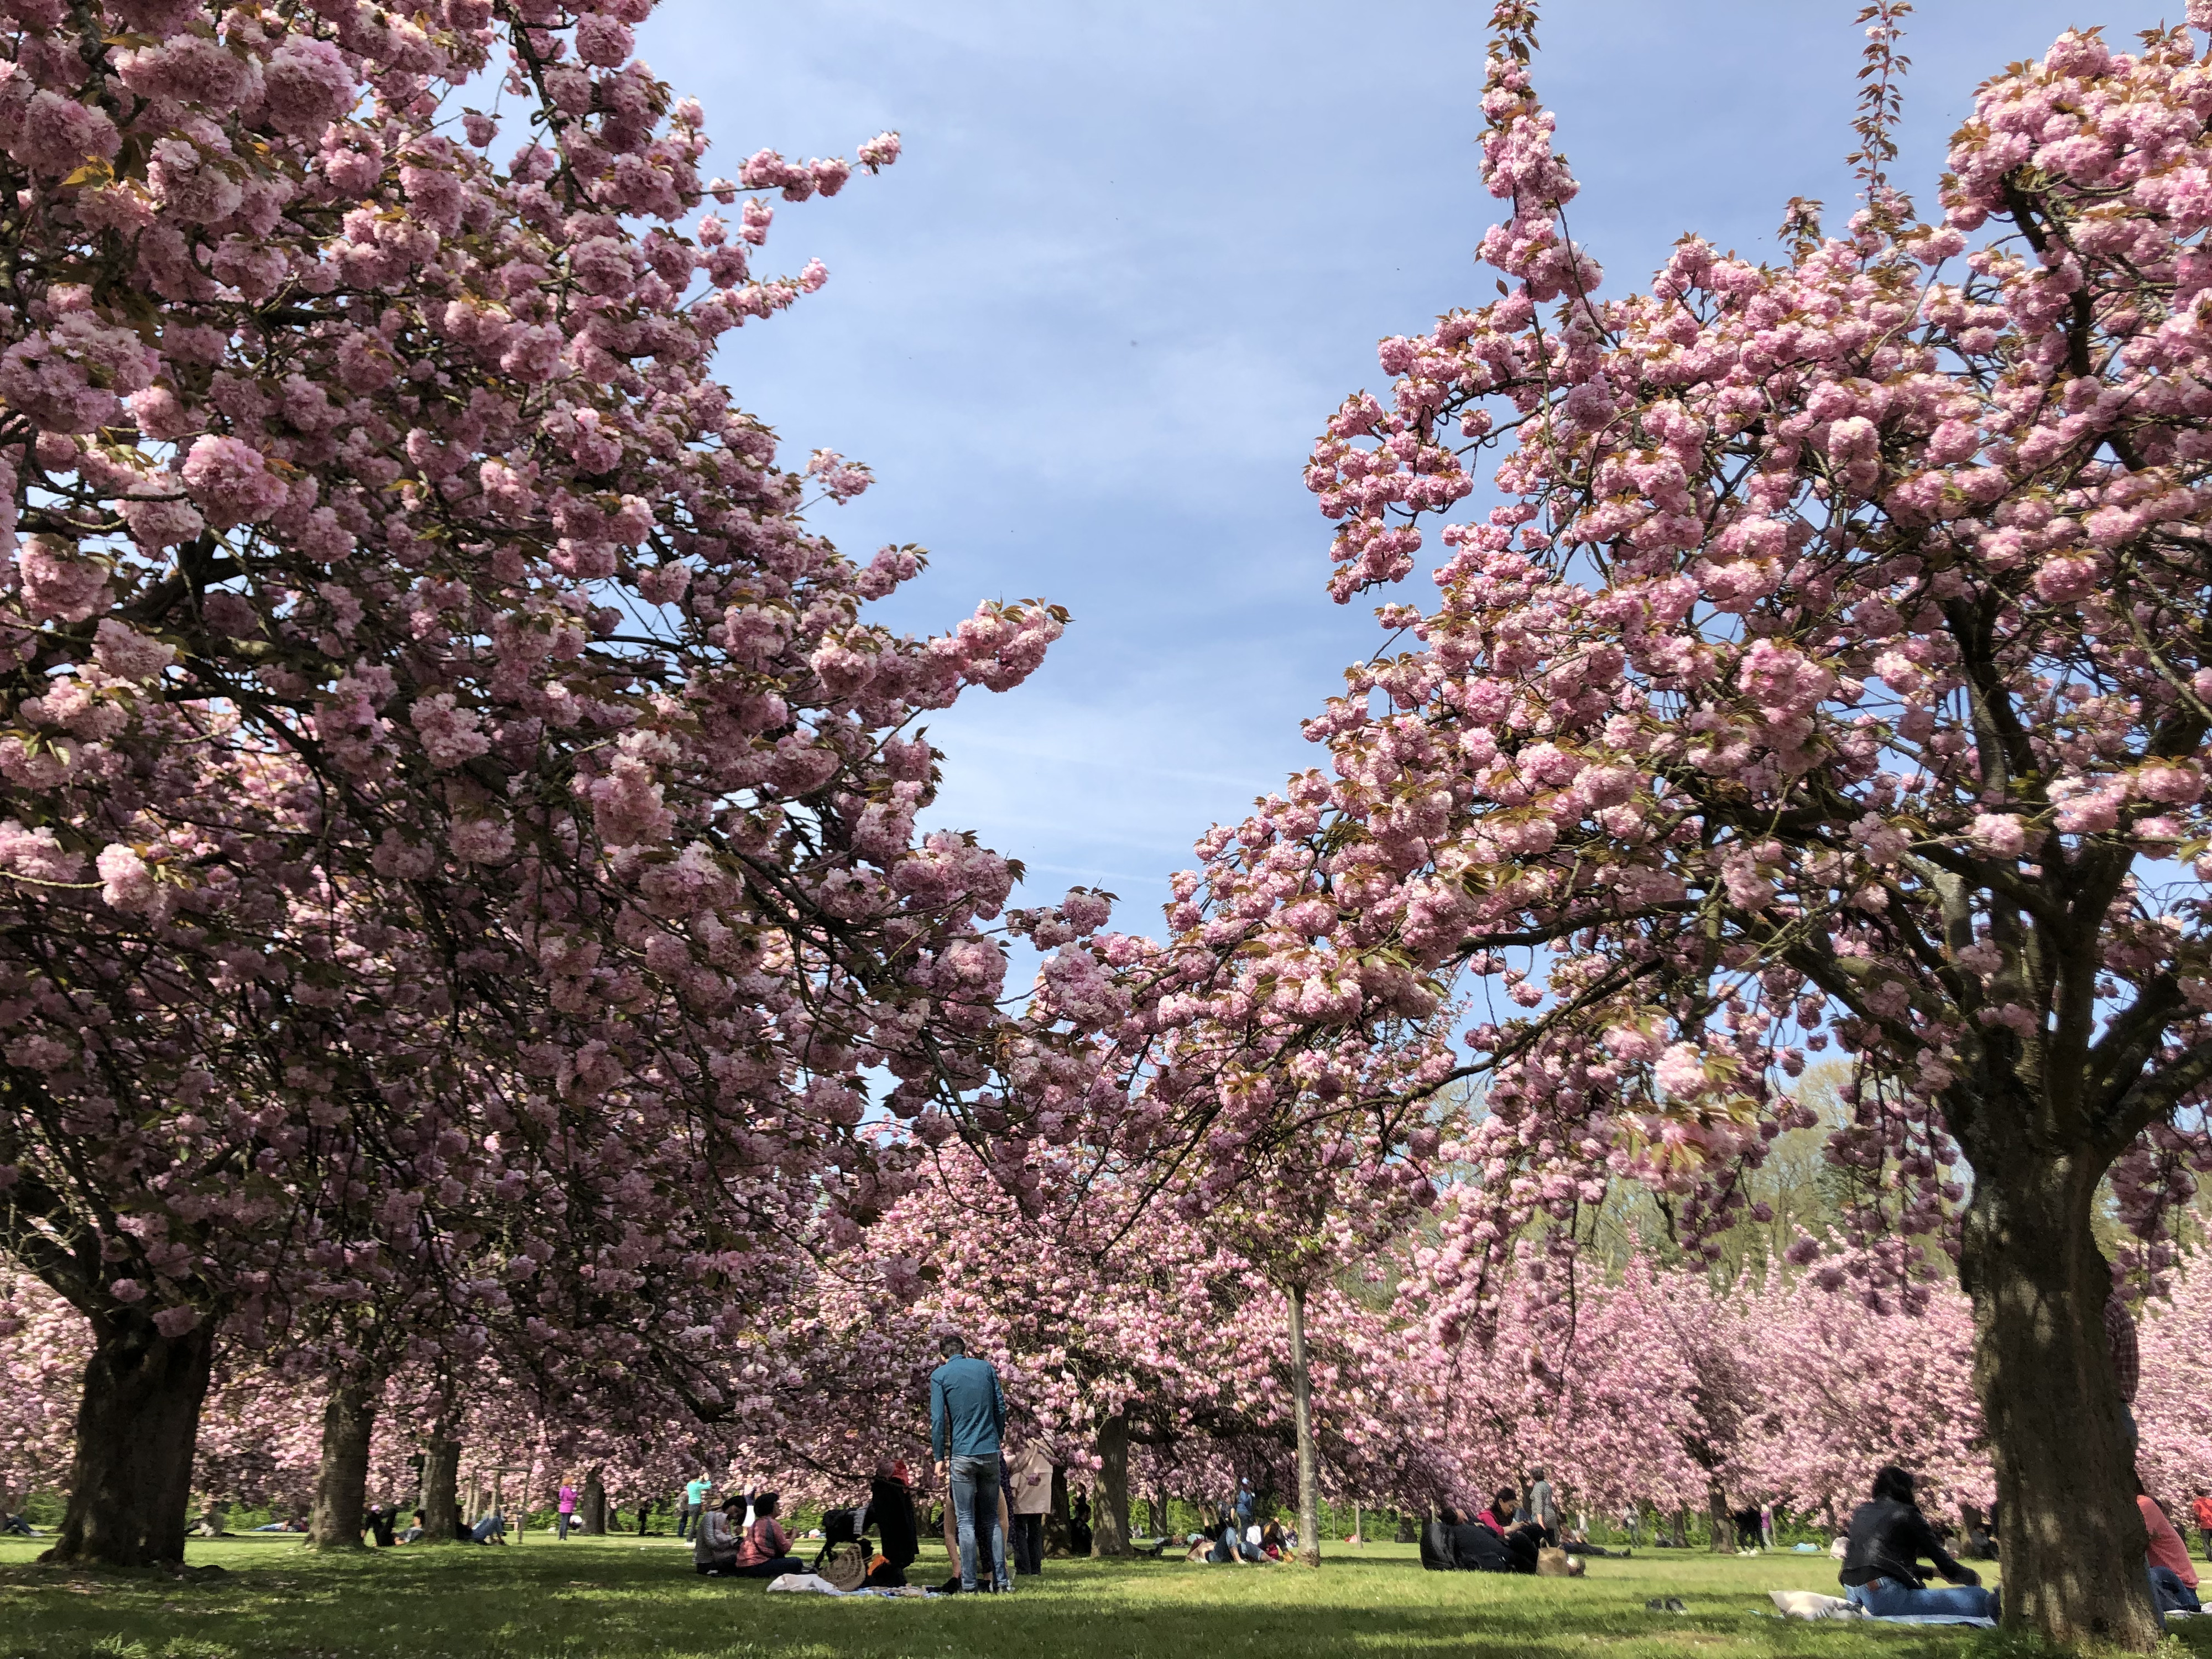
[341,1476]
[441,1474]
[1722,1541]
[1059,1521]
[130,1484]
[2072,1537]
[594,1504]
[1109,1516]
[1302,1411]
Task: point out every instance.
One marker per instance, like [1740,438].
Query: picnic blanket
[1811,1604]
[813,1583]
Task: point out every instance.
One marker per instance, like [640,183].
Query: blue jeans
[1884,1599]
[976,1482]
[2169,1594]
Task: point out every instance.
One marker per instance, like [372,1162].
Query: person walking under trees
[2200,1511]
[566,1511]
[967,1419]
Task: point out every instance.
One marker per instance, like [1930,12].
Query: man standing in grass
[695,1503]
[967,1415]
[1543,1507]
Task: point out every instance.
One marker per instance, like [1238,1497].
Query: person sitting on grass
[1522,1540]
[714,1540]
[1228,1542]
[1435,1540]
[492,1529]
[765,1550]
[1889,1538]
[1472,1546]
[2172,1577]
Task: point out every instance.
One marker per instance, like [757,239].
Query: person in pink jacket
[566,1509]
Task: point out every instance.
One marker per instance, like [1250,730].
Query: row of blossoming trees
[465,910]
[1169,1378]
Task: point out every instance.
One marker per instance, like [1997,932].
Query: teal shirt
[966,1409]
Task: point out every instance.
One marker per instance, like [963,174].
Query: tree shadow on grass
[542,1601]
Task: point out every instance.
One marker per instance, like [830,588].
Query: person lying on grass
[1889,1537]
[1578,1543]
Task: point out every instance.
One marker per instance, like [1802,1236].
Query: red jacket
[764,1542]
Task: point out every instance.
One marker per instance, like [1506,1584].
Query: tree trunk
[1058,1537]
[593,1508]
[1722,1541]
[1301,1413]
[341,1476]
[1110,1515]
[130,1484]
[2072,1537]
[441,1474]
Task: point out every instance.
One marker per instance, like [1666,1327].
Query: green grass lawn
[633,1599]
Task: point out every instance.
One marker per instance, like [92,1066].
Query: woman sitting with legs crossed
[765,1552]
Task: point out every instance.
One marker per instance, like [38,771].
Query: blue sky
[1136,254]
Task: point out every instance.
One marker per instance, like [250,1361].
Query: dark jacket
[1477,1548]
[1888,1540]
[966,1412]
[890,1510]
[1437,1546]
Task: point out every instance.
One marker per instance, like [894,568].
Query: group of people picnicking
[993,1519]
[1522,1531]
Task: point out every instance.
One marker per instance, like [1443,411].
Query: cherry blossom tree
[1126,1336]
[2172,1406]
[1832,672]
[420,673]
